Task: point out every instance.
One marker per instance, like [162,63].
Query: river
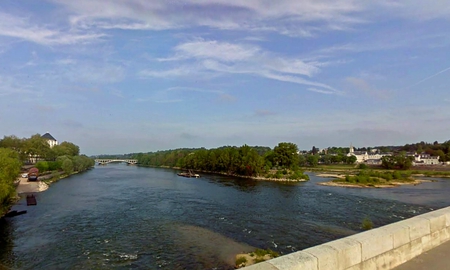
[122,217]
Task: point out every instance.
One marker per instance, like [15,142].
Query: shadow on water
[6,242]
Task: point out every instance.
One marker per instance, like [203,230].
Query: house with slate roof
[50,139]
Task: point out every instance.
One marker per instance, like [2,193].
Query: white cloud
[22,28]
[284,16]
[293,18]
[222,51]
[226,58]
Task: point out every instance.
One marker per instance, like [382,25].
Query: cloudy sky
[129,76]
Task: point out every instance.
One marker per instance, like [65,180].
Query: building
[50,139]
[363,157]
[425,159]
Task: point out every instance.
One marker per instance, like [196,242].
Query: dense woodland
[242,161]
[15,152]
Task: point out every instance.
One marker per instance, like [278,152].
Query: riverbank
[26,186]
[23,186]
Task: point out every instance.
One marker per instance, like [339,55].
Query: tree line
[36,146]
[281,162]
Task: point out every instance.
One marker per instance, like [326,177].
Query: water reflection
[6,242]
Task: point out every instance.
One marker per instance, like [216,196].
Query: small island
[372,179]
[251,162]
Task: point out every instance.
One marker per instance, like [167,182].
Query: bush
[42,166]
[366,224]
[240,260]
[362,166]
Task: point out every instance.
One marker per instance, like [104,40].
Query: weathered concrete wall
[381,248]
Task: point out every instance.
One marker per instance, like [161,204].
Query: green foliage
[54,165]
[262,252]
[312,160]
[243,161]
[362,166]
[36,146]
[66,149]
[241,260]
[371,177]
[67,166]
[366,224]
[399,161]
[285,155]
[42,166]
[9,169]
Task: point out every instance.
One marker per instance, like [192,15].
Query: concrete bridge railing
[381,248]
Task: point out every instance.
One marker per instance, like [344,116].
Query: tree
[388,162]
[67,166]
[286,154]
[301,160]
[36,145]
[403,162]
[66,149]
[9,169]
[351,159]
[400,161]
[313,160]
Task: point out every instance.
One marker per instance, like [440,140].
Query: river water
[123,217]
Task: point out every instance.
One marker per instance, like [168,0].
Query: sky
[116,76]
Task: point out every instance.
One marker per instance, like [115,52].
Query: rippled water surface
[119,216]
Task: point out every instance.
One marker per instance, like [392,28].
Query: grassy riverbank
[352,176]
[428,171]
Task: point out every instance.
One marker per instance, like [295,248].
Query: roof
[48,137]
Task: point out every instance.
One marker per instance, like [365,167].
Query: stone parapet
[381,248]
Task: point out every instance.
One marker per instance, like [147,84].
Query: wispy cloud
[23,29]
[226,58]
[285,17]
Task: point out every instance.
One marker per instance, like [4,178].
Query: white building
[50,139]
[362,156]
[425,159]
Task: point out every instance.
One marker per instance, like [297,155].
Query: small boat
[31,200]
[189,174]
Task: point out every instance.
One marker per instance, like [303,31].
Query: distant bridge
[105,161]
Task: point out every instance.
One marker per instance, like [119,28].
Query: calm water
[123,217]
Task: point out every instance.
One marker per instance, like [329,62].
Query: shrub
[42,166]
[362,166]
[241,260]
[366,224]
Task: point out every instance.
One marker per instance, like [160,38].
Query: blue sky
[135,76]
